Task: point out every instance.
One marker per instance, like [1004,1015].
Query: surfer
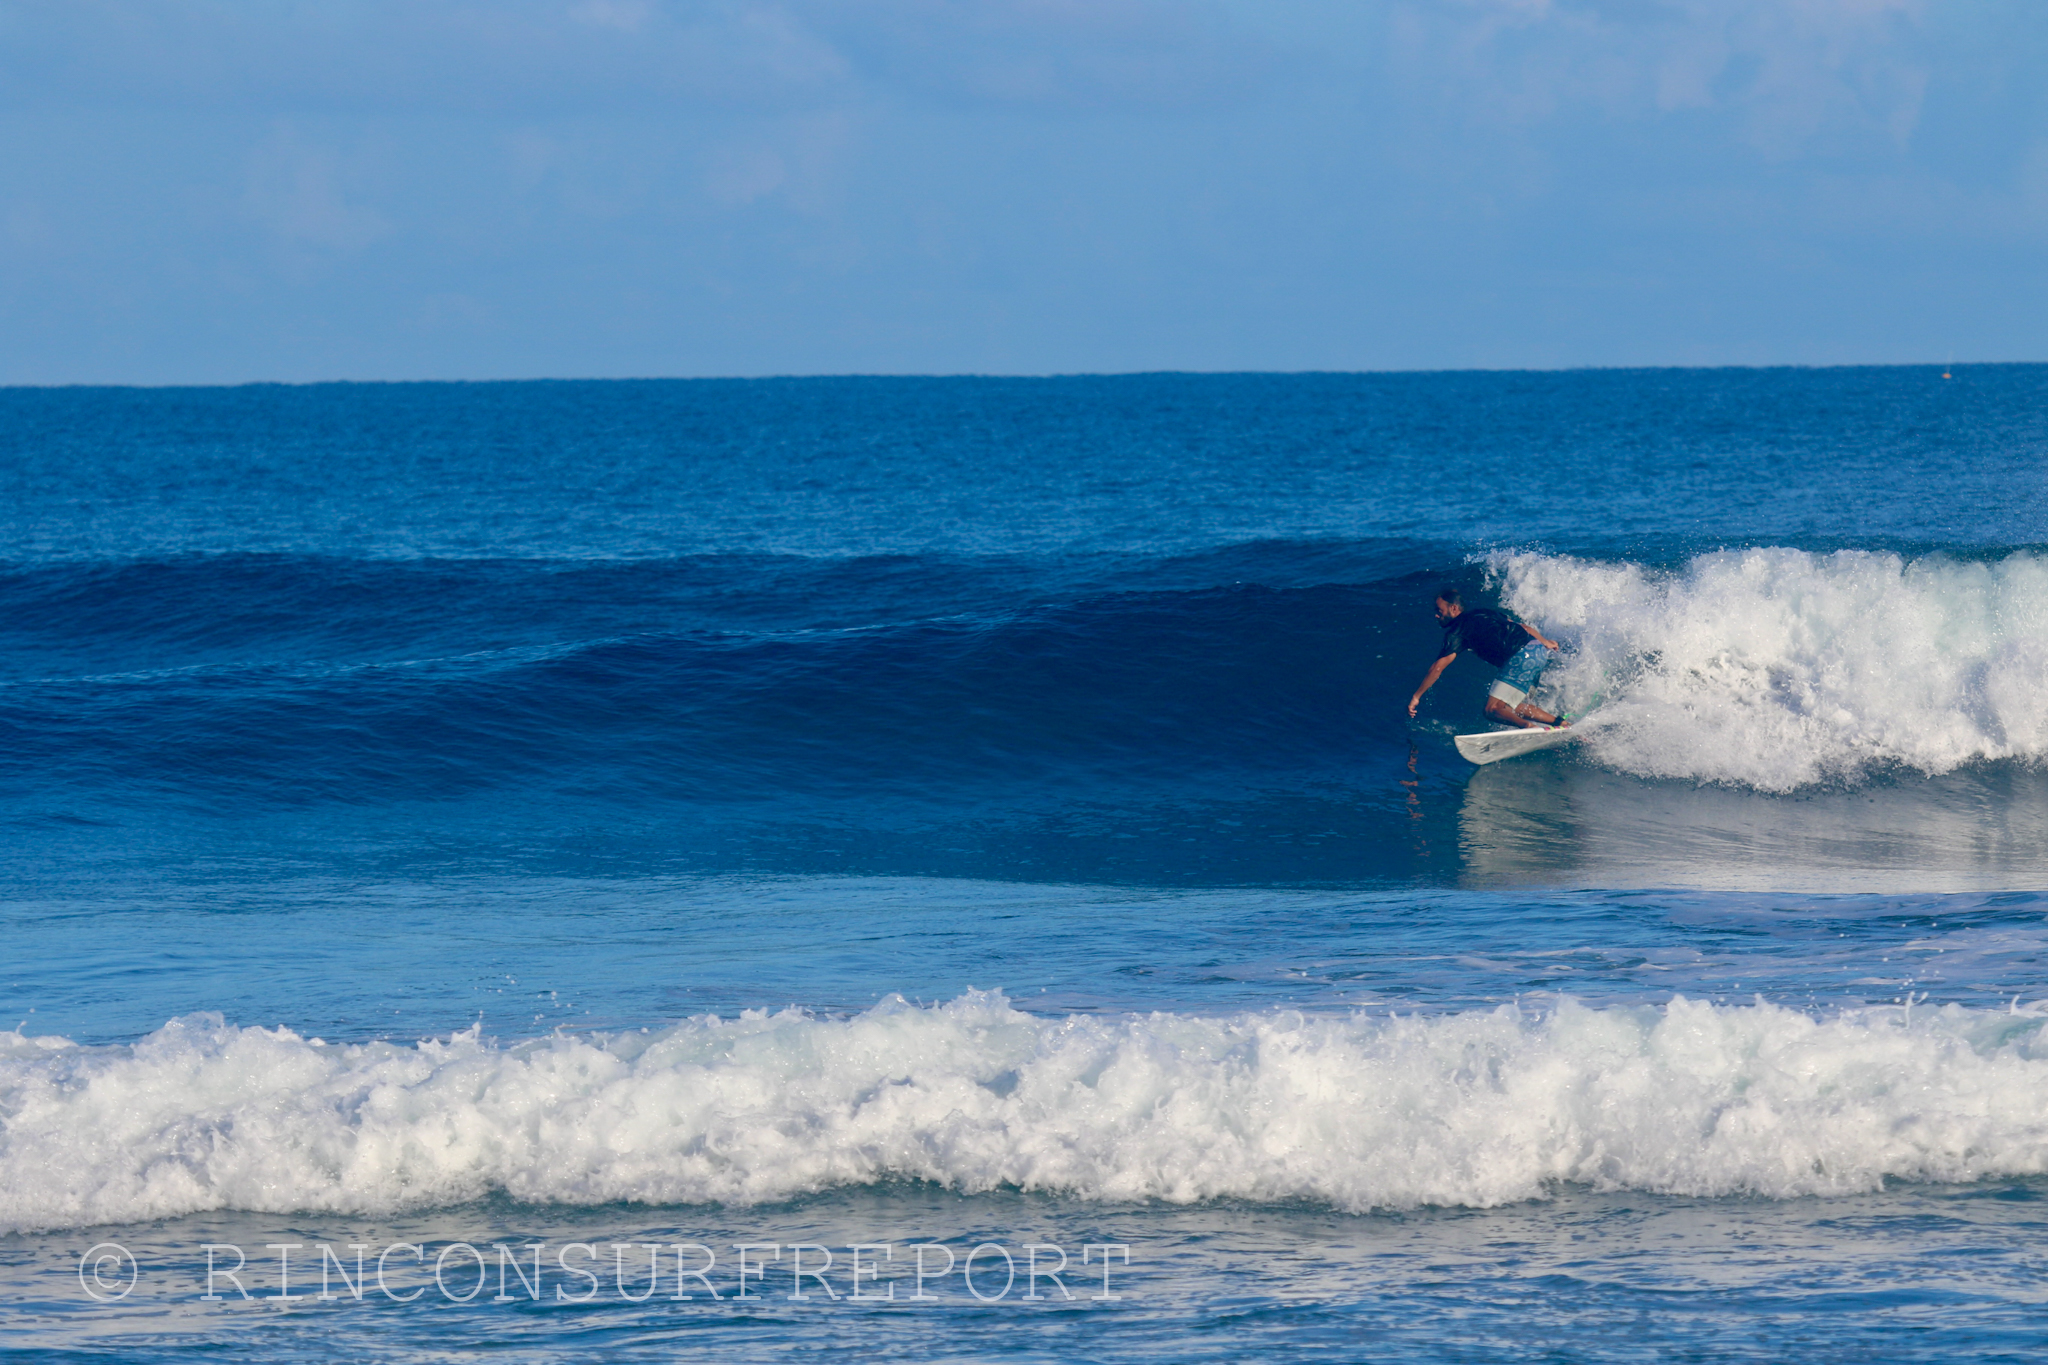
[1519,650]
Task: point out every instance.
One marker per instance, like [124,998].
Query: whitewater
[1778,669]
[973,1095]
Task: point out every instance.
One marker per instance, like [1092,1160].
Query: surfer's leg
[1507,712]
[1508,703]
[1517,679]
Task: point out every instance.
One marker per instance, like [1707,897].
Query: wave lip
[1778,669]
[1358,1112]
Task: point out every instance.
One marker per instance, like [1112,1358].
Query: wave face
[266,682]
[400,682]
[1777,669]
[1227,717]
[1359,1112]
[781,673]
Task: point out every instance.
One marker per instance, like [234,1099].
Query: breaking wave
[1779,669]
[1357,1111]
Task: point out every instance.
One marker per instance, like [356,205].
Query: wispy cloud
[1790,76]
[525,55]
[394,56]
[295,191]
[1053,54]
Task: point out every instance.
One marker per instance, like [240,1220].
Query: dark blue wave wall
[272,681]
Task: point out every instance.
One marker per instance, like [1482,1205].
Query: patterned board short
[1518,676]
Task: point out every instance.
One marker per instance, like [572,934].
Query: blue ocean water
[620,823]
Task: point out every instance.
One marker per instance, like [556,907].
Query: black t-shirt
[1490,633]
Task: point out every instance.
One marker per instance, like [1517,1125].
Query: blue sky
[229,190]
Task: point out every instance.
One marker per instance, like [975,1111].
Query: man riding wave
[1519,650]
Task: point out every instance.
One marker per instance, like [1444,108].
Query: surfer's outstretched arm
[1541,638]
[1436,670]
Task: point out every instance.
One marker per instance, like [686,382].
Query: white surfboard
[1495,745]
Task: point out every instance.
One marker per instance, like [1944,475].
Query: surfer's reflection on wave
[1551,818]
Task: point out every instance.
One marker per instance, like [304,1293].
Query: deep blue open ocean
[918,869]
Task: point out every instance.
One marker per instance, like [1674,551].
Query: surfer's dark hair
[1449,597]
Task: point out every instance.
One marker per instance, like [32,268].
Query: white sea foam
[1779,669]
[1358,1112]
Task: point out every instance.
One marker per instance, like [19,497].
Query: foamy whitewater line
[1356,1111]
[1779,669]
